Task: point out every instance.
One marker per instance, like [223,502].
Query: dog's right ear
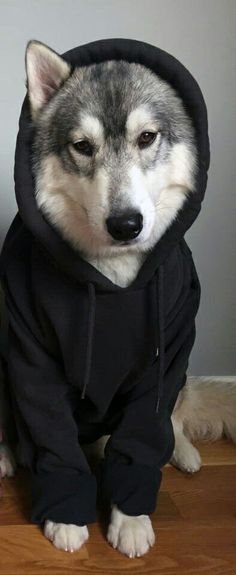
[45,71]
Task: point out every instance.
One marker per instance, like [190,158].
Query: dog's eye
[146,139]
[83,147]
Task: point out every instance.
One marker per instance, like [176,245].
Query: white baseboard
[216,378]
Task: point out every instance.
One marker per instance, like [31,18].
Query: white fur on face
[140,120]
[169,185]
[79,207]
[91,128]
[159,194]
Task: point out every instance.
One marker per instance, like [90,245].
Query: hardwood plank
[187,548]
[14,510]
[195,525]
[16,486]
[221,452]
[211,493]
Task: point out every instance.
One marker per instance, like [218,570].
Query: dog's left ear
[45,71]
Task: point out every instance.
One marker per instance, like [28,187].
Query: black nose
[125,227]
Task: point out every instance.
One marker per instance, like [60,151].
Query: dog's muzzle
[125,227]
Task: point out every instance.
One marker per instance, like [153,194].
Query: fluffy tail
[207,408]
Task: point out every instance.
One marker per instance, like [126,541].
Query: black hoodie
[86,357]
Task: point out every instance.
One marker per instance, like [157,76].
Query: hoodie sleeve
[63,487]
[143,442]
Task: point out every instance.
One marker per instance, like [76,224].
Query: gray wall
[201,33]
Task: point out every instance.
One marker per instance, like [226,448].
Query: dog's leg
[66,537]
[132,536]
[205,410]
[185,456]
[7,461]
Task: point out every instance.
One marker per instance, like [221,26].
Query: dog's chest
[120,270]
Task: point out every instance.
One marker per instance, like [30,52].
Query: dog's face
[114,152]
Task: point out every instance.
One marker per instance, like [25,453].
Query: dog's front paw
[132,536]
[186,457]
[66,537]
[7,461]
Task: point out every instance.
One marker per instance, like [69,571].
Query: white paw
[7,461]
[132,536]
[67,537]
[186,457]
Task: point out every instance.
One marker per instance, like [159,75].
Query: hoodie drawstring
[161,329]
[89,349]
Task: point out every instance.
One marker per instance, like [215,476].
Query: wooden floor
[195,525]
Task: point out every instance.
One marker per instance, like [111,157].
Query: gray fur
[115,101]
[110,91]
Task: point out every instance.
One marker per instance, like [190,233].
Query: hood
[64,255]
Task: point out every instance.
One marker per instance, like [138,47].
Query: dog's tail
[207,408]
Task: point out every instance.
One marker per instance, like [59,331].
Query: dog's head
[114,152]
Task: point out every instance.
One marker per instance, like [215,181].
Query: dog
[131,149]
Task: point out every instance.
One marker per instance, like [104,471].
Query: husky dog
[114,160]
